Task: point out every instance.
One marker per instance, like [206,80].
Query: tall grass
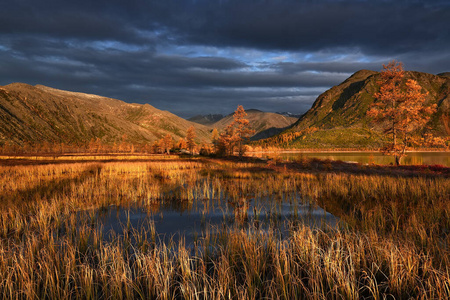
[394,241]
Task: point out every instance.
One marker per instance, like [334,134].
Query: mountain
[338,116]
[34,114]
[206,120]
[289,114]
[265,124]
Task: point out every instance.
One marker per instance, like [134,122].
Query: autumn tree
[155,147]
[236,134]
[167,143]
[182,144]
[243,130]
[190,136]
[399,108]
[215,139]
[227,140]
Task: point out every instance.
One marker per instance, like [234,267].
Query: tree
[190,136]
[399,108]
[155,147]
[167,143]
[182,144]
[236,134]
[215,139]
[243,131]
[226,142]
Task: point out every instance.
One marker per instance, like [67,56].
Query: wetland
[165,227]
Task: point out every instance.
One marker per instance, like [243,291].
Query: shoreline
[346,151]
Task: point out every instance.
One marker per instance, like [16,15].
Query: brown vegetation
[38,114]
[393,241]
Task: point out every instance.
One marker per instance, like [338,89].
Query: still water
[412,158]
[191,221]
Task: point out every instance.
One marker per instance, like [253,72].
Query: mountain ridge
[337,118]
[206,120]
[34,114]
[264,124]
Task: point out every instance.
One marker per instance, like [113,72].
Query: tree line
[232,140]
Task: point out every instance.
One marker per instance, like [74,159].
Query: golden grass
[394,242]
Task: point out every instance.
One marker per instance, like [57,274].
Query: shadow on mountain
[268,133]
[347,93]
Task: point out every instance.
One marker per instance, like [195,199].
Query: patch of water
[172,221]
[363,157]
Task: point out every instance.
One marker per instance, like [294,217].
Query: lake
[412,158]
[171,221]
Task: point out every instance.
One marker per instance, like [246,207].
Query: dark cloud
[373,26]
[210,55]
[387,27]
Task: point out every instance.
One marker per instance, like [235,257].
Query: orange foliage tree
[399,108]
[167,143]
[215,139]
[182,144]
[190,136]
[236,134]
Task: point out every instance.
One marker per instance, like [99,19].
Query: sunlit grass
[394,239]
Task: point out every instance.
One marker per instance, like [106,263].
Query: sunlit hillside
[37,114]
[338,117]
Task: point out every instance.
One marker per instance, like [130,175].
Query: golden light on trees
[399,108]
[215,139]
[167,143]
[190,136]
[182,144]
[236,134]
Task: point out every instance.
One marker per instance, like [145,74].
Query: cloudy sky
[208,56]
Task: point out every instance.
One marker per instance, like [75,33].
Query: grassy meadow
[392,242]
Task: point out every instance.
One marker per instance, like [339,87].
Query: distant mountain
[289,114]
[206,120]
[35,114]
[338,116]
[265,124]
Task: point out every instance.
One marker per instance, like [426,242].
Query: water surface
[412,158]
[191,221]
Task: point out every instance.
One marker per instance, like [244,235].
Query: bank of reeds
[247,265]
[394,242]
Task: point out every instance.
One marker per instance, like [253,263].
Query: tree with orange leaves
[190,136]
[243,131]
[236,134]
[399,108]
[167,143]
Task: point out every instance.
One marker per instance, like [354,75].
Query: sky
[209,56]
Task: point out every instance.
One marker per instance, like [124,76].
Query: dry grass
[394,243]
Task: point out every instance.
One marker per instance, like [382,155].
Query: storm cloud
[208,56]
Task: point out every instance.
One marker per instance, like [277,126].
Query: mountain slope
[338,116]
[206,120]
[265,124]
[34,114]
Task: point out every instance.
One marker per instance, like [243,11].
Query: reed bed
[393,241]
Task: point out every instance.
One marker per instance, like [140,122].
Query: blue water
[172,221]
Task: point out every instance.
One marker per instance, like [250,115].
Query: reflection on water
[174,220]
[412,158]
